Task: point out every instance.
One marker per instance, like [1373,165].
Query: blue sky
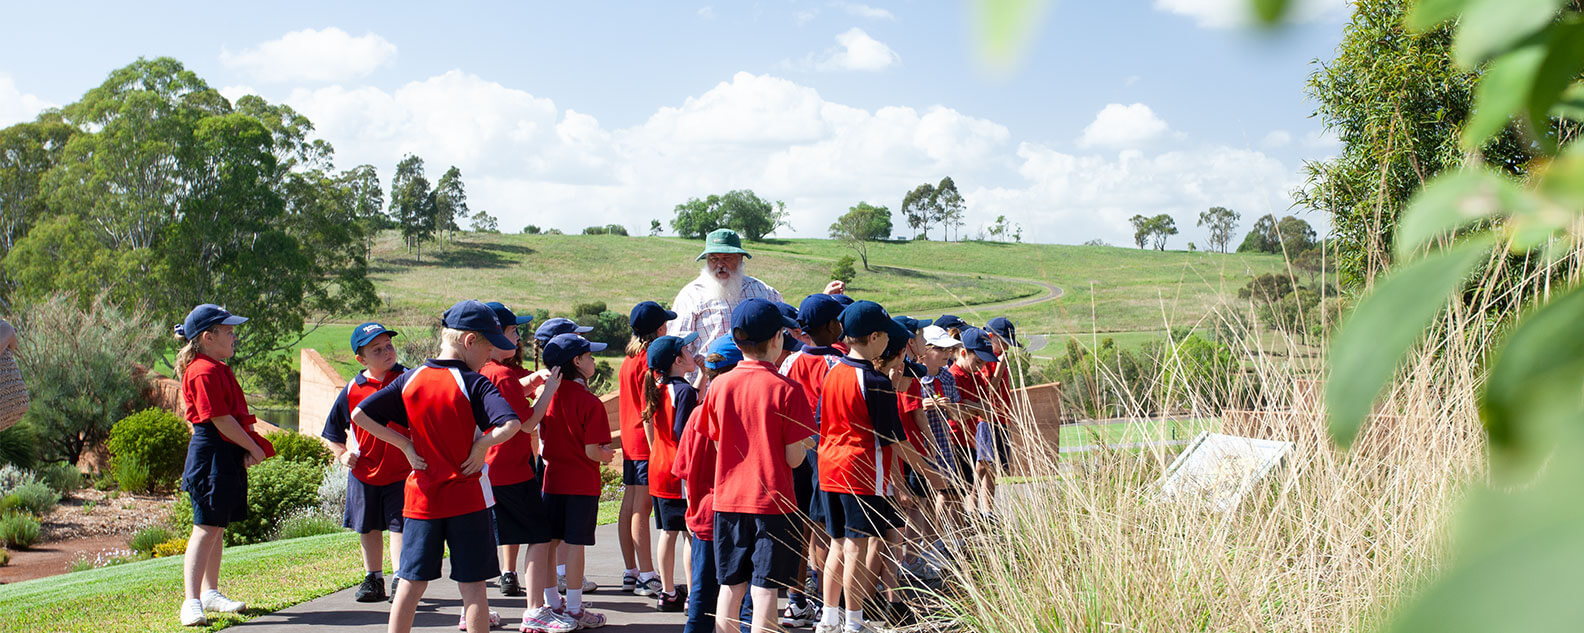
[570,114]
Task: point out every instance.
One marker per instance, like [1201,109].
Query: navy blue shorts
[916,483]
[804,483]
[635,472]
[816,503]
[470,538]
[214,478]
[519,514]
[757,548]
[857,516]
[991,444]
[670,514]
[371,508]
[572,517]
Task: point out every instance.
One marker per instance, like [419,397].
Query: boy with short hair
[858,424]
[455,415]
[695,465]
[976,402]
[376,471]
[761,424]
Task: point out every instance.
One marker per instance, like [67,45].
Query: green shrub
[61,477]
[34,498]
[276,488]
[307,522]
[18,446]
[180,515]
[5,557]
[145,540]
[843,269]
[296,447]
[12,477]
[156,438]
[132,475]
[19,530]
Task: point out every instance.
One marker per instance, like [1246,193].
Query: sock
[552,598]
[831,616]
[631,572]
[647,576]
[574,600]
[377,575]
[560,570]
[855,620]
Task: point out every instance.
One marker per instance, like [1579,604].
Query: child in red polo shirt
[222,447]
[454,415]
[858,427]
[978,407]
[519,502]
[761,424]
[695,465]
[818,314]
[576,441]
[648,321]
[668,401]
[378,470]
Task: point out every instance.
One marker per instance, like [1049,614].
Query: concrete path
[441,604]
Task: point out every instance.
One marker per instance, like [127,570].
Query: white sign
[1218,470]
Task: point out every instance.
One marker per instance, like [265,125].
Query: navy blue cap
[863,318]
[912,323]
[1003,328]
[897,338]
[727,348]
[471,315]
[843,299]
[565,347]
[791,312]
[204,317]
[817,310]
[664,351]
[648,316]
[916,370]
[949,321]
[557,326]
[363,334]
[978,342]
[506,316]
[790,343]
[760,320]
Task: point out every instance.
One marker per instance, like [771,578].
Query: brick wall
[319,385]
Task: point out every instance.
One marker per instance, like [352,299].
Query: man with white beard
[705,304]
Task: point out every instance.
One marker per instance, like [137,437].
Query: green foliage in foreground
[145,595]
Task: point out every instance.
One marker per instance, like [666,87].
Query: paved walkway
[441,604]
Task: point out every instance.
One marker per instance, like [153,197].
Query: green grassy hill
[1128,294]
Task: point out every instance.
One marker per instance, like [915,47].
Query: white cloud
[16,106]
[706,13]
[1131,80]
[1072,198]
[312,55]
[1276,139]
[865,11]
[805,16]
[1222,14]
[854,50]
[1121,126]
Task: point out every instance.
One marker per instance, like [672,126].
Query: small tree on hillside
[861,225]
[918,208]
[1141,229]
[1161,227]
[1262,238]
[412,204]
[654,228]
[843,270]
[450,202]
[948,207]
[1220,221]
[483,222]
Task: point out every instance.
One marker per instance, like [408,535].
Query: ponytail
[185,356]
[652,395]
[639,343]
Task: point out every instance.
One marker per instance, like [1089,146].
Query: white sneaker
[213,600]
[827,628]
[192,613]
[494,620]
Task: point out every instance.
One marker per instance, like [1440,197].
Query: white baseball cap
[939,337]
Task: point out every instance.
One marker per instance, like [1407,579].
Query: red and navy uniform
[446,407]
[574,419]
[510,462]
[215,477]
[971,390]
[858,425]
[378,463]
[678,399]
[997,394]
[808,367]
[630,378]
[695,466]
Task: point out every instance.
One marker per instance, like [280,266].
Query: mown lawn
[1135,432]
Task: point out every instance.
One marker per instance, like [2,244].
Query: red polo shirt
[447,407]
[753,414]
[695,465]
[678,401]
[630,405]
[997,394]
[807,367]
[575,419]
[510,462]
[378,463]
[858,421]
[970,390]
[210,390]
[908,402]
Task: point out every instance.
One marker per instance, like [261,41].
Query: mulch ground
[88,524]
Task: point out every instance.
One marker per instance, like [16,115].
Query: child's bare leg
[831,578]
[195,564]
[541,574]
[405,605]
[728,607]
[211,572]
[373,544]
[643,506]
[475,606]
[665,557]
[764,610]
[625,531]
[395,550]
[854,571]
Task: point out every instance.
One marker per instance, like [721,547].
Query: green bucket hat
[722,241]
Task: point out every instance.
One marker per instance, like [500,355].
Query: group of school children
[803,452]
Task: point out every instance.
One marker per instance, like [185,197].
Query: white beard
[729,290]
